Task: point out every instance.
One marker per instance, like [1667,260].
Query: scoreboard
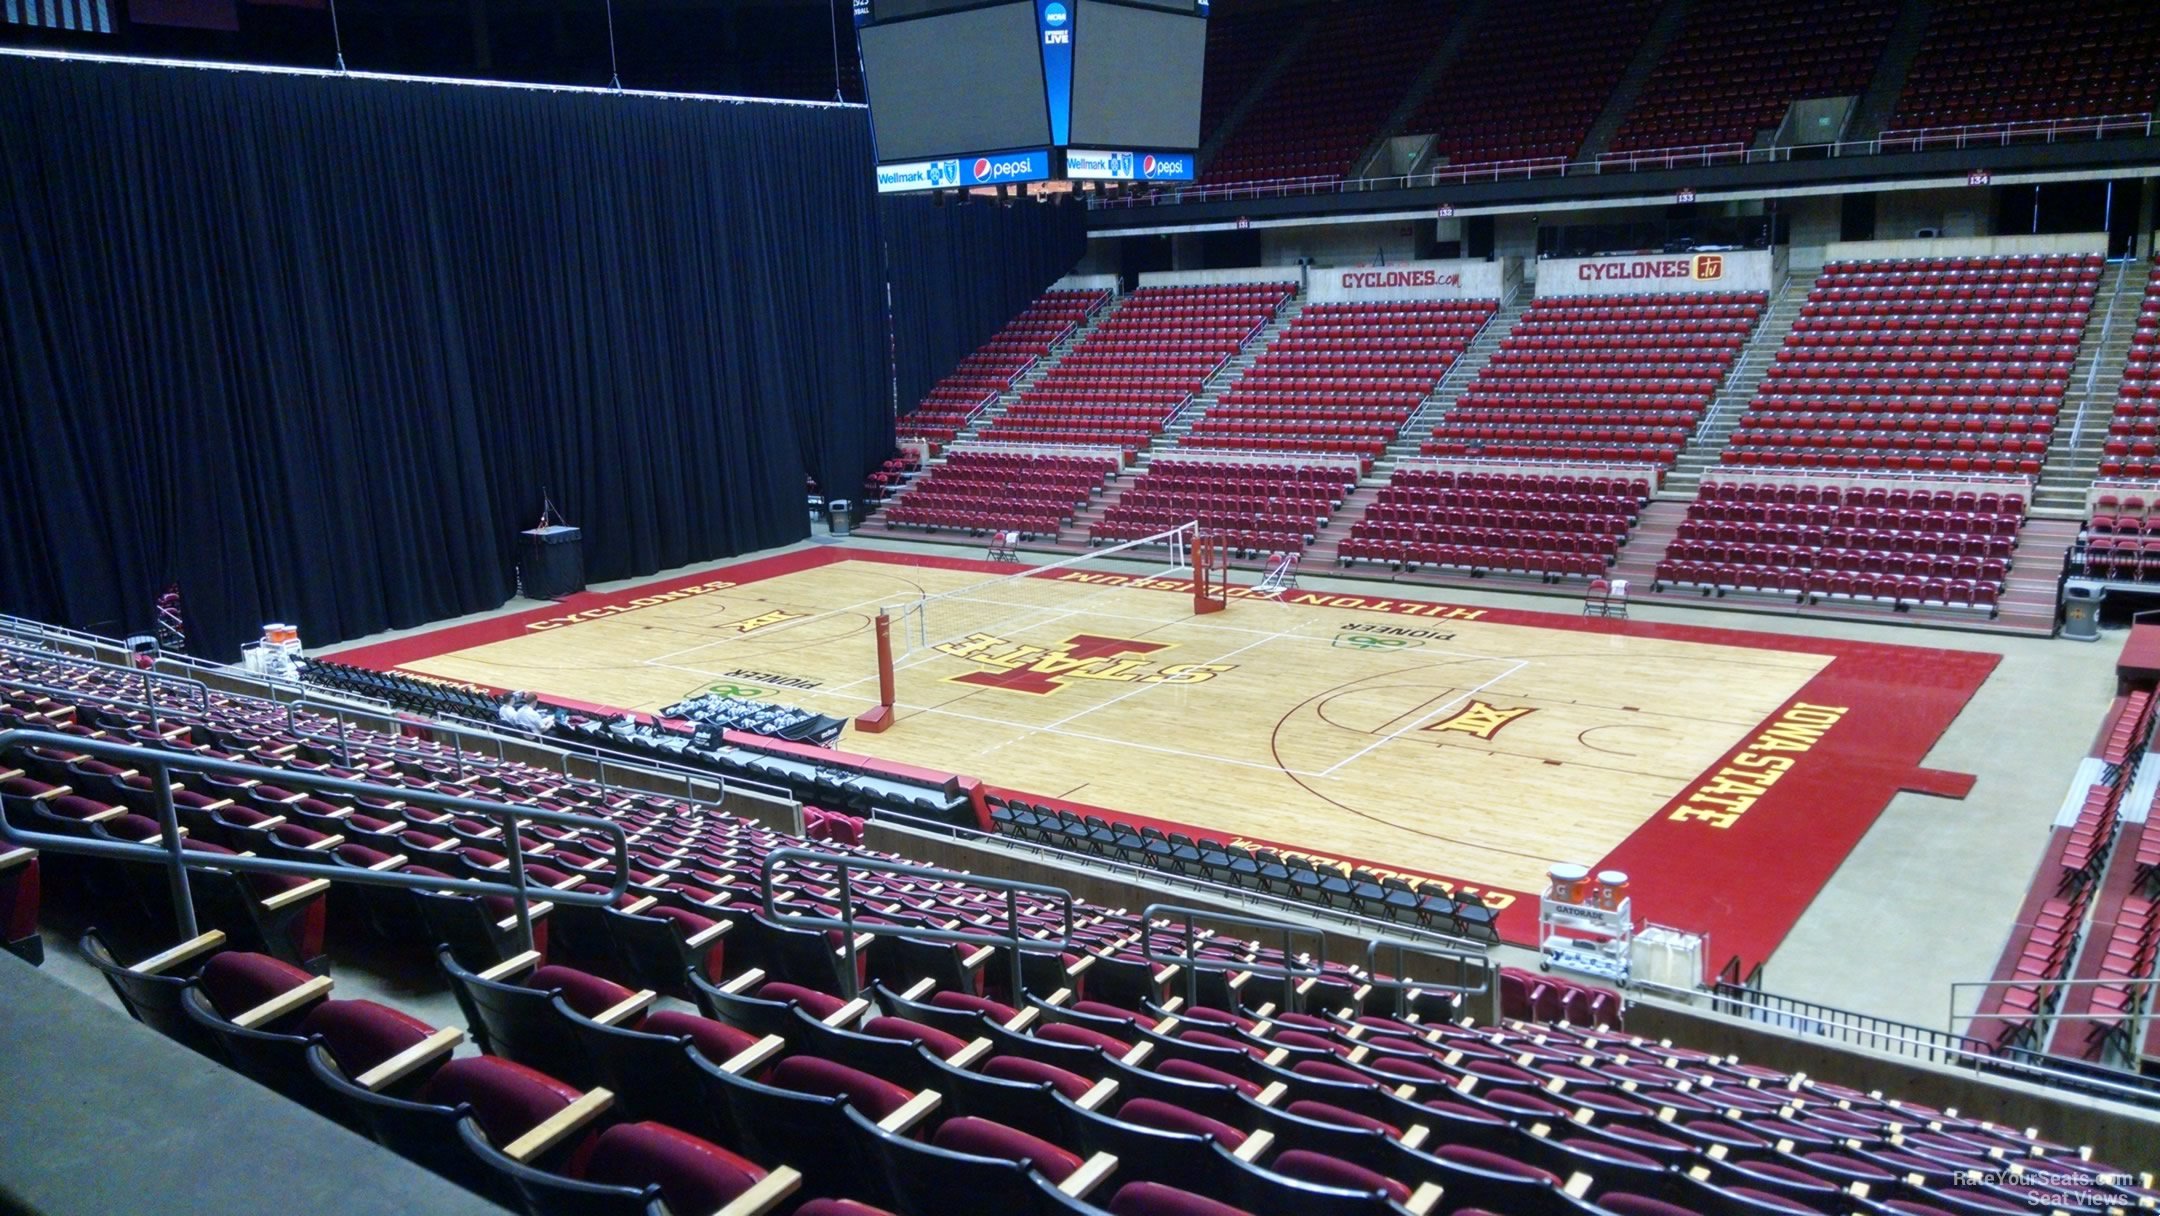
[970,93]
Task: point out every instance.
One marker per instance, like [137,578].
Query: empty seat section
[947,408]
[1342,379]
[1892,543]
[1254,508]
[1328,104]
[983,491]
[1951,365]
[1736,67]
[1985,62]
[1529,82]
[1608,378]
[1552,525]
[1140,365]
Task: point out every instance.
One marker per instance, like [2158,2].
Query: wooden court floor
[1475,745]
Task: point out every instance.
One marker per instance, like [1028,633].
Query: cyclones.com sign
[1698,267]
[1380,280]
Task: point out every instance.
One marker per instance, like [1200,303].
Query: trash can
[817,510]
[838,512]
[2081,611]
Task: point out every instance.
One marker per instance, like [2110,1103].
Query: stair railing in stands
[178,860]
[1474,974]
[2107,326]
[151,680]
[848,865]
[1294,976]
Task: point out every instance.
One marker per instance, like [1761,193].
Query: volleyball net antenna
[908,630]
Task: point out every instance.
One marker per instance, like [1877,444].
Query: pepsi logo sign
[1148,165]
[982,168]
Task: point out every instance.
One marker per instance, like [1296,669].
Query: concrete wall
[1086,282]
[1971,246]
[1339,244]
[1242,274]
[1958,212]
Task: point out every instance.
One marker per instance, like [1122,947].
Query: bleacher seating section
[1330,101]
[1240,46]
[1987,62]
[1253,508]
[993,366]
[1897,544]
[2133,443]
[1550,525]
[685,1047]
[2082,871]
[1531,81]
[1342,378]
[978,490]
[1610,378]
[1938,364]
[1735,68]
[1121,383]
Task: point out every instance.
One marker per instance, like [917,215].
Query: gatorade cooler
[1569,883]
[1612,889]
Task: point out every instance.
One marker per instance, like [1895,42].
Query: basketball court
[1729,772]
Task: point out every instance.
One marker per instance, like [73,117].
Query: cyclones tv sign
[1696,267]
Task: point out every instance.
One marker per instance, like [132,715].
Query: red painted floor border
[1739,855]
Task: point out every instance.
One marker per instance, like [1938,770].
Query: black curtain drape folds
[959,273]
[311,347]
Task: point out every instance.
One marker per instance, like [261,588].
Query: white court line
[1262,641]
[1519,665]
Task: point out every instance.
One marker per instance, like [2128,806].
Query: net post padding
[875,720]
[1211,574]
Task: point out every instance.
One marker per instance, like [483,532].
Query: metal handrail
[150,678]
[845,864]
[1911,140]
[179,861]
[1407,990]
[2092,374]
[1190,965]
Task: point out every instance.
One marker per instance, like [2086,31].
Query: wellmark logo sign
[1043,670]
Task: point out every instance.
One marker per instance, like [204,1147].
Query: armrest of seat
[919,989]
[622,1010]
[261,824]
[632,908]
[573,880]
[559,1126]
[1424,1199]
[17,857]
[58,791]
[158,964]
[848,1014]
[966,1056]
[515,963]
[404,1063]
[284,1002]
[912,1112]
[765,1194]
[1168,973]
[744,982]
[1023,1019]
[1079,965]
[1272,1094]
[753,1056]
[285,899]
[111,812]
[538,910]
[326,844]
[1255,1146]
[709,934]
[1097,1094]
[1415,1135]
[1139,1053]
[976,958]
[1089,1176]
[393,862]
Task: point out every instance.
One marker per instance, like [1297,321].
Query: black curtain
[311,347]
[960,272]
